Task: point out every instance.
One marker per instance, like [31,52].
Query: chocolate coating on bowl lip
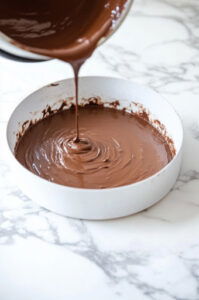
[64,29]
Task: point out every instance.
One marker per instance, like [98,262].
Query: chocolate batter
[116,148]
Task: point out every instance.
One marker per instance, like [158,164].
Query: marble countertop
[153,255]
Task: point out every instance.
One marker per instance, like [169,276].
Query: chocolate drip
[76,68]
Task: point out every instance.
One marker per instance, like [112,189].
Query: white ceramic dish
[105,203]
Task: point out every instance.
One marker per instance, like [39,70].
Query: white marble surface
[152,255]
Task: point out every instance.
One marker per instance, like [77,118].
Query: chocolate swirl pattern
[113,150]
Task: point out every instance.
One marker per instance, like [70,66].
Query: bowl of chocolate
[114,155]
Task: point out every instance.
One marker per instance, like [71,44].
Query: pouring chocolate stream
[111,148]
[63,29]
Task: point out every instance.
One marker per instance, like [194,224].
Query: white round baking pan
[95,203]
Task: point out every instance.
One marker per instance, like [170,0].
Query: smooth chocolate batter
[116,148]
